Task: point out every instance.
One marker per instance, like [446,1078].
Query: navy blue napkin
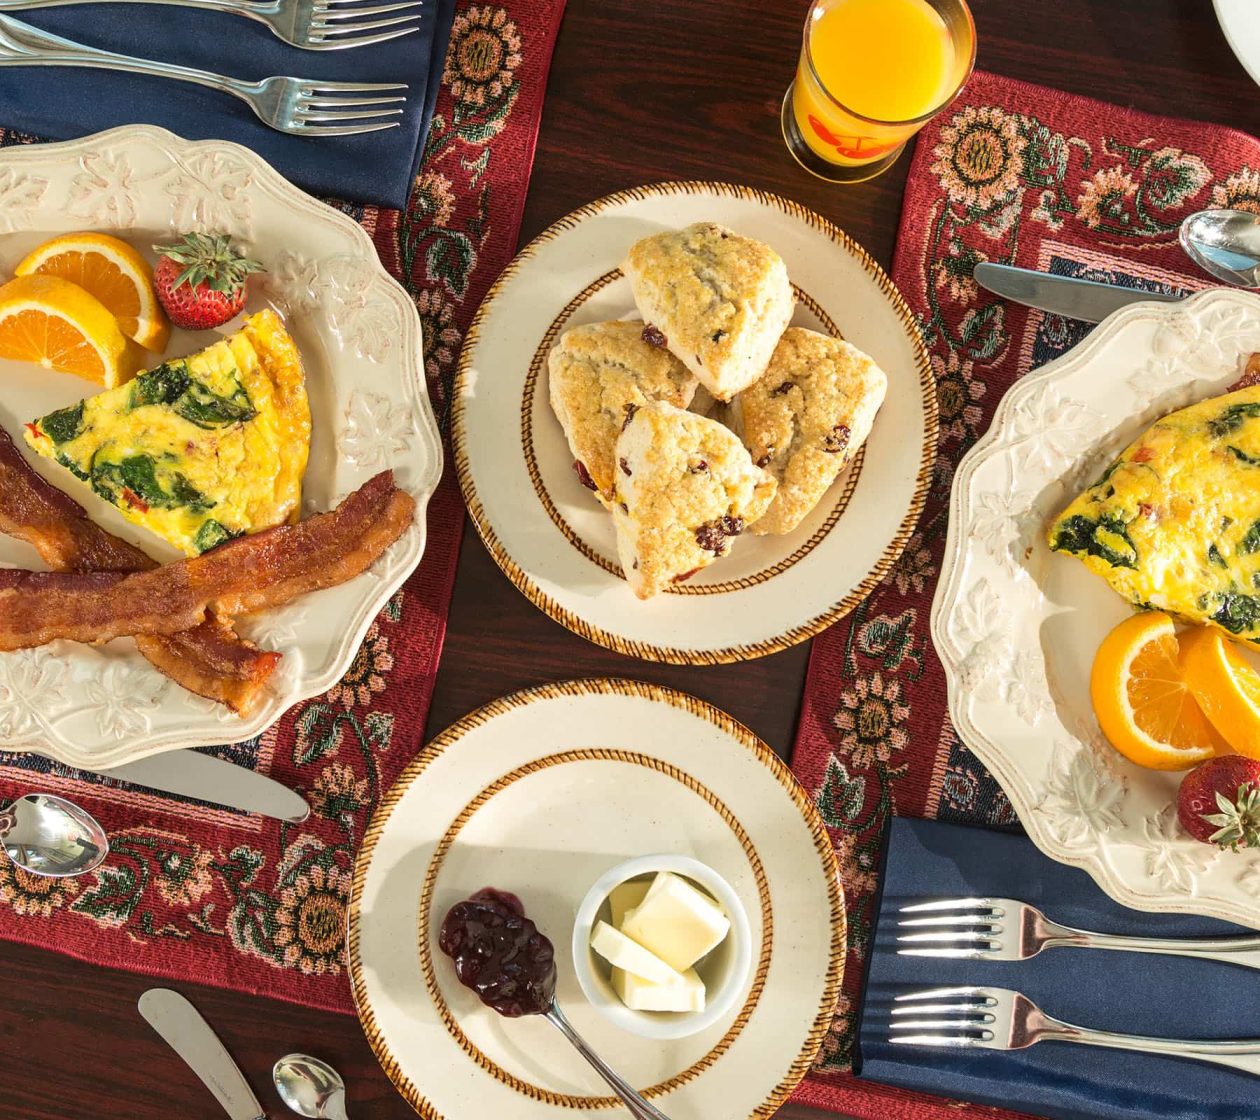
[61,103]
[1136,993]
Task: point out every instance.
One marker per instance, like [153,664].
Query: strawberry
[1219,802]
[200,280]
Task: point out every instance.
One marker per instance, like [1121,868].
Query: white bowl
[724,971]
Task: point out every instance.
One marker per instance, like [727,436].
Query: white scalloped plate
[1016,625]
[1240,21]
[554,541]
[361,343]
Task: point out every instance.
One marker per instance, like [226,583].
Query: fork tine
[324,30]
[976,954]
[321,6]
[346,130]
[971,992]
[936,1040]
[341,12]
[952,904]
[339,102]
[335,118]
[935,936]
[359,41]
[972,918]
[940,1024]
[917,1008]
[311,89]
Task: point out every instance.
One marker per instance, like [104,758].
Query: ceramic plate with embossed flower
[1017,626]
[360,339]
[557,544]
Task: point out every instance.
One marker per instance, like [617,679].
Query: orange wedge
[112,271]
[56,324]
[1225,685]
[1142,701]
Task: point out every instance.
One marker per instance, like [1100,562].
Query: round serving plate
[359,335]
[1017,626]
[540,794]
[558,545]
[1240,21]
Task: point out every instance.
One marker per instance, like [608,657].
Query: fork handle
[1244,951]
[24,45]
[1241,1054]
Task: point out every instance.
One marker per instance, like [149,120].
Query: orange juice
[871,72]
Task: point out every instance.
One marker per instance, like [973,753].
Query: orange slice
[1142,701]
[56,324]
[112,271]
[1225,685]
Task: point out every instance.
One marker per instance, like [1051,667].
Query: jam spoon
[50,836]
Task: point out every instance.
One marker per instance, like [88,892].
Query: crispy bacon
[210,660]
[247,574]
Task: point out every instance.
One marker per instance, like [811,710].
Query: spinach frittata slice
[200,449]
[1174,522]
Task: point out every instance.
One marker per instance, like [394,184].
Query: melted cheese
[200,449]
[1174,523]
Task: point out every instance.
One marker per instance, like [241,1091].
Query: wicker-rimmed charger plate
[554,541]
[540,793]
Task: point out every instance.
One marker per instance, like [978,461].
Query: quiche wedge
[199,449]
[1174,522]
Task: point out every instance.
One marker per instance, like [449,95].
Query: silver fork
[313,25]
[302,106]
[1005,929]
[1000,1019]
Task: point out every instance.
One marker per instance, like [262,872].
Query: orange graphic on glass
[871,74]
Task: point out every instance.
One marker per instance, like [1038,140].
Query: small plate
[1017,626]
[556,543]
[359,334]
[539,794]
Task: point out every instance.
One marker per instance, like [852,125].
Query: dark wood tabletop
[640,90]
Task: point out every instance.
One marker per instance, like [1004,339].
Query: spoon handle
[639,1108]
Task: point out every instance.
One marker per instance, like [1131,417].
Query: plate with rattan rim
[557,544]
[539,794]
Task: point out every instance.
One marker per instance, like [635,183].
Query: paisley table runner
[193,892]
[1019,174]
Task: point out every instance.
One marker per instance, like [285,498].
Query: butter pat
[620,952]
[625,897]
[676,922]
[642,995]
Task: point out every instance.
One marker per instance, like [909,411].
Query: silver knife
[1087,300]
[189,773]
[184,1030]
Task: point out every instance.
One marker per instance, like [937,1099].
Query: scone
[718,300]
[685,488]
[806,418]
[597,373]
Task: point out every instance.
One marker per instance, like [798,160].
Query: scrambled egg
[200,449]
[1174,523]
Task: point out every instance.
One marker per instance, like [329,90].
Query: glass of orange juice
[871,74]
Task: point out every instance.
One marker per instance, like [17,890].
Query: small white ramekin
[724,971]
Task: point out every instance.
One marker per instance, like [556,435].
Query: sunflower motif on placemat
[483,55]
[338,792]
[311,920]
[366,675]
[433,198]
[958,396]
[979,156]
[1241,191]
[1102,199]
[35,896]
[870,719]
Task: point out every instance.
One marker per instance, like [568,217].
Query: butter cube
[620,952]
[676,922]
[642,995]
[625,897]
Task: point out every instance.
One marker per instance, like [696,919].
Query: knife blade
[206,778]
[184,1030]
[1087,300]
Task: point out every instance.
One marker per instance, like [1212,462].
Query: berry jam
[499,953]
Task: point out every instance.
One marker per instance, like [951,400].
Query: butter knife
[1087,300]
[184,1030]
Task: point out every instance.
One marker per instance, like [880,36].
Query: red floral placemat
[201,894]
[1019,174]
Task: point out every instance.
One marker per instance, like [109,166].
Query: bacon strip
[248,574]
[210,660]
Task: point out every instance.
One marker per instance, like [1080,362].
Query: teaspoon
[50,836]
[310,1087]
[1225,244]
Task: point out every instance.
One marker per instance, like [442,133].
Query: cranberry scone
[717,299]
[599,373]
[805,419]
[686,488]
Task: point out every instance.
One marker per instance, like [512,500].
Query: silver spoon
[1225,244]
[310,1087]
[48,835]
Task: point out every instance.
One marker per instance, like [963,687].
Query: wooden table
[640,90]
